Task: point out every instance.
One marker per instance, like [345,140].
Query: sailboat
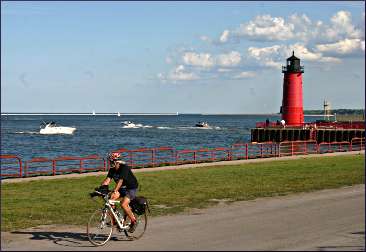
[118,114]
[93,112]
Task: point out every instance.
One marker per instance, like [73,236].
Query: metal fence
[290,148]
[12,165]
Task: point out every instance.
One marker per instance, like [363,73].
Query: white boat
[128,124]
[202,125]
[52,128]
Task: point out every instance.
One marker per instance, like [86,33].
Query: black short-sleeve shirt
[124,172]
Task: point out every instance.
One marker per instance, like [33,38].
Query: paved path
[332,219]
[187,166]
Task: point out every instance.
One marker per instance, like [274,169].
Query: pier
[317,131]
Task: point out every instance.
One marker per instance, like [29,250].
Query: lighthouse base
[297,134]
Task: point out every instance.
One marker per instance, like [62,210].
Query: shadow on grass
[66,239]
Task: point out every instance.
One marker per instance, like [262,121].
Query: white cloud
[346,46]
[244,75]
[206,60]
[178,74]
[304,53]
[198,59]
[312,40]
[266,56]
[298,27]
[181,74]
[274,56]
[231,59]
[303,27]
[224,36]
[342,25]
[224,70]
[266,27]
[361,24]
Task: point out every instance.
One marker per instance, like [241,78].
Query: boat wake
[27,132]
[200,128]
[164,127]
[131,125]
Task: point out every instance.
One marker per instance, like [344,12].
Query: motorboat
[53,128]
[129,124]
[202,125]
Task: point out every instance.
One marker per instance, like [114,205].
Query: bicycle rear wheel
[140,228]
[100,227]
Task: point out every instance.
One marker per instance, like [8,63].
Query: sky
[186,57]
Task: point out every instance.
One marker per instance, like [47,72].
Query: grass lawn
[66,201]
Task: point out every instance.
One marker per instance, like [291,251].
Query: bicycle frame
[109,205]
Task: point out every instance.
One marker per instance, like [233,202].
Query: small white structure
[327,110]
[283,123]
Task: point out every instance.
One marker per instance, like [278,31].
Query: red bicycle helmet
[114,156]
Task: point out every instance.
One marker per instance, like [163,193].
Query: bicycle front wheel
[100,227]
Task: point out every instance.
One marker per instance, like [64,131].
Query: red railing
[148,157]
[291,148]
[332,125]
[186,156]
[63,165]
[39,166]
[333,147]
[11,165]
[164,156]
[357,144]
[261,150]
[253,150]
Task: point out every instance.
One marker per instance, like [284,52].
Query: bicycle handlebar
[99,193]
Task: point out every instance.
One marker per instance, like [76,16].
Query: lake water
[102,133]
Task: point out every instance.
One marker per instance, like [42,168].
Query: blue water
[102,133]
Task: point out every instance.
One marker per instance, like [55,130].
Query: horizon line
[121,114]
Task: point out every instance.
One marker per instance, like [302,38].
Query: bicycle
[102,221]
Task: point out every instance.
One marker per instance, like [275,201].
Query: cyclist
[126,185]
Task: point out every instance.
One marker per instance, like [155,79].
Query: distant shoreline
[152,114]
[127,114]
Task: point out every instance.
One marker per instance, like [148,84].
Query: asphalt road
[332,219]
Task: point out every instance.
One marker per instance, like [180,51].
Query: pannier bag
[139,205]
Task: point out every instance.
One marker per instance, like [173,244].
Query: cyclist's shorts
[129,193]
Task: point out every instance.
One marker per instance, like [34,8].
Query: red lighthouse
[292,108]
